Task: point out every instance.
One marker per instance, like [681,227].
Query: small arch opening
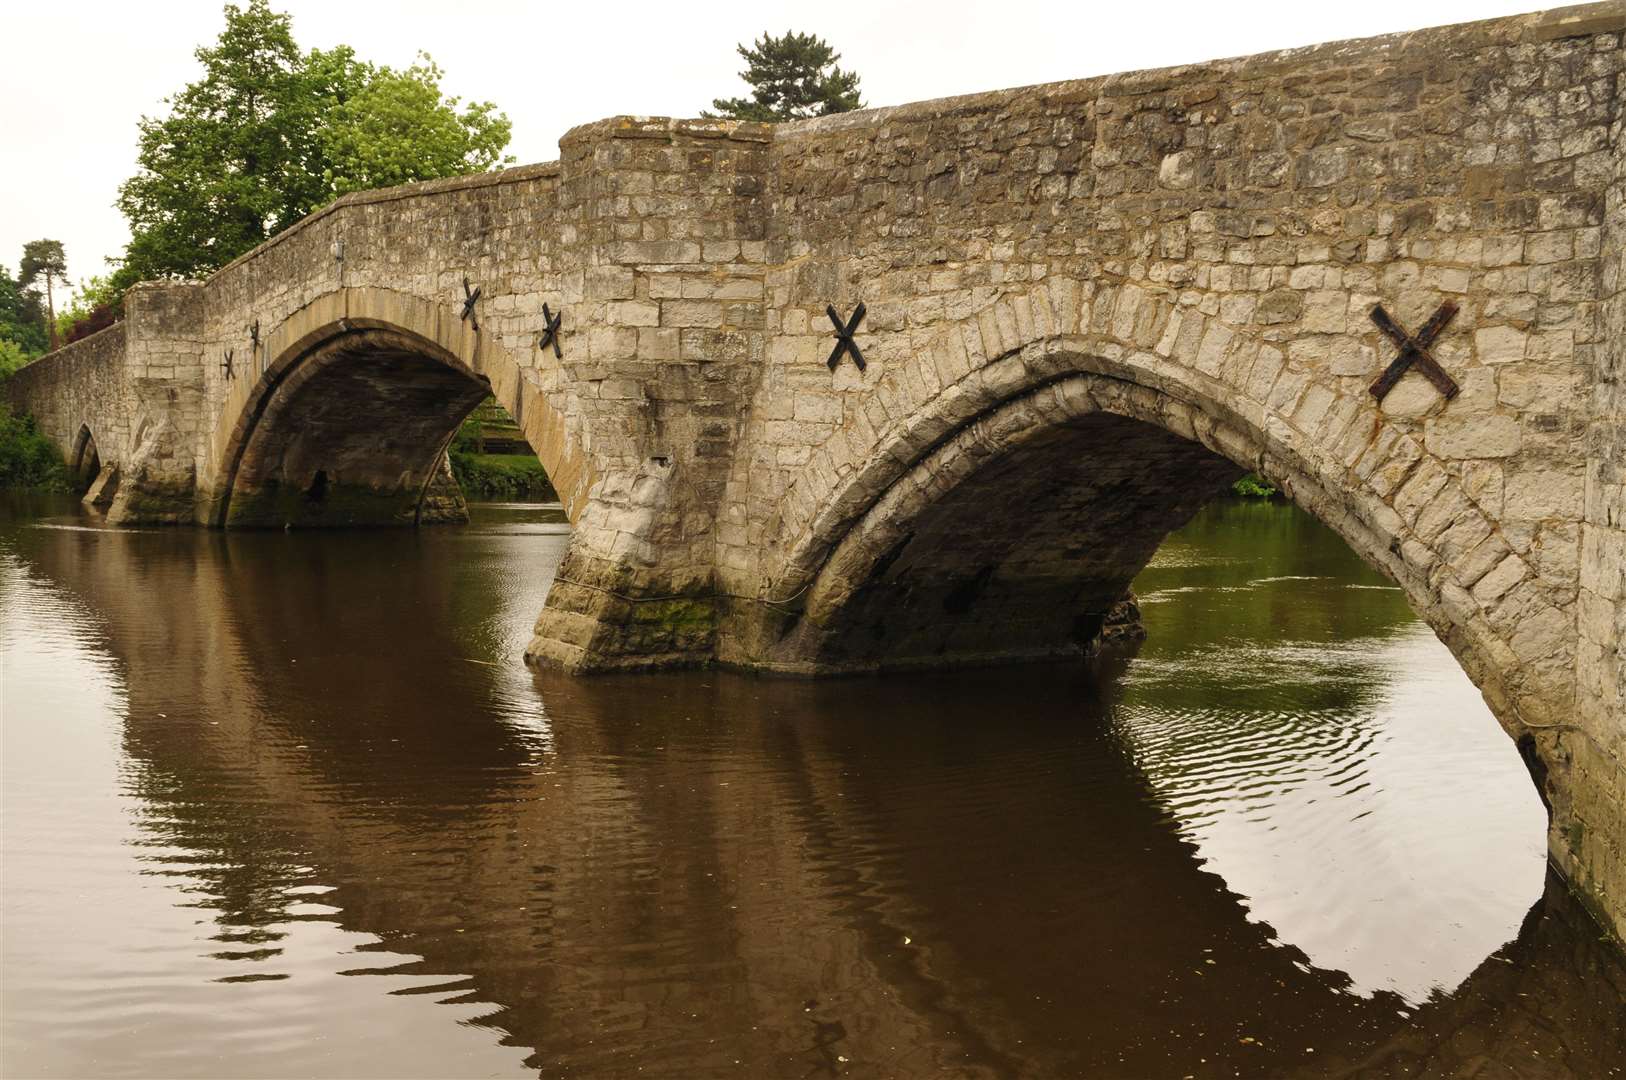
[86,462]
[368,428]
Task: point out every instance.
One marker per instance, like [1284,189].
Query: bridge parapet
[79,387]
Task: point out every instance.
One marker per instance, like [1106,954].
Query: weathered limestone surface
[1089,304]
[85,384]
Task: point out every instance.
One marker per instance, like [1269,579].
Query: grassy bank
[502,476]
[27,458]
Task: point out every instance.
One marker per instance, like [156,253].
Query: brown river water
[290,805]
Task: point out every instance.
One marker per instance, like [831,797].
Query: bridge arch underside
[1020,552]
[85,461]
[1015,534]
[1009,531]
[351,432]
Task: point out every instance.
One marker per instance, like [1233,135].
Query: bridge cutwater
[927,385]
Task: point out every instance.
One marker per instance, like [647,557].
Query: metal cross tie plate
[469,297]
[550,332]
[844,336]
[1414,350]
[254,336]
[225,366]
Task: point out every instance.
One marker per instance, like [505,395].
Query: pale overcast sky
[79,74]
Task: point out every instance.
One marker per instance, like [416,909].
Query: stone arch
[845,530]
[344,415]
[97,479]
[1055,400]
[85,461]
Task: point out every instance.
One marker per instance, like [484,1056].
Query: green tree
[397,127]
[44,259]
[12,357]
[1254,486]
[22,316]
[27,458]
[97,305]
[270,134]
[230,164]
[792,77]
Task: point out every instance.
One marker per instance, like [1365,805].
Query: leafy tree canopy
[22,318]
[792,77]
[270,134]
[12,357]
[27,458]
[397,128]
[96,306]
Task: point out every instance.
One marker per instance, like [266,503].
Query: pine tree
[792,77]
[44,259]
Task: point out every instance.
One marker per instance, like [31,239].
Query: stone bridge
[1087,307]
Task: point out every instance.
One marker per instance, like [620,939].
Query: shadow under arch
[352,431]
[344,415]
[1006,514]
[85,462]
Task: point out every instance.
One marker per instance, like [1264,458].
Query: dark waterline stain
[1286,839]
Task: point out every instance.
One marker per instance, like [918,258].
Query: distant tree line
[27,324]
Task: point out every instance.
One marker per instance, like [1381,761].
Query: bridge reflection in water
[244,770]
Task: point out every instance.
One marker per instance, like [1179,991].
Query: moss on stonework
[678,613]
[674,623]
[145,501]
[1573,833]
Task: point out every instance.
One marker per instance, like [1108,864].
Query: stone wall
[392,261]
[1598,749]
[1219,233]
[80,387]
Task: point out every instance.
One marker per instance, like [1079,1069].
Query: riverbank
[502,477]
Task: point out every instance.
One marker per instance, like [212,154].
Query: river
[289,804]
